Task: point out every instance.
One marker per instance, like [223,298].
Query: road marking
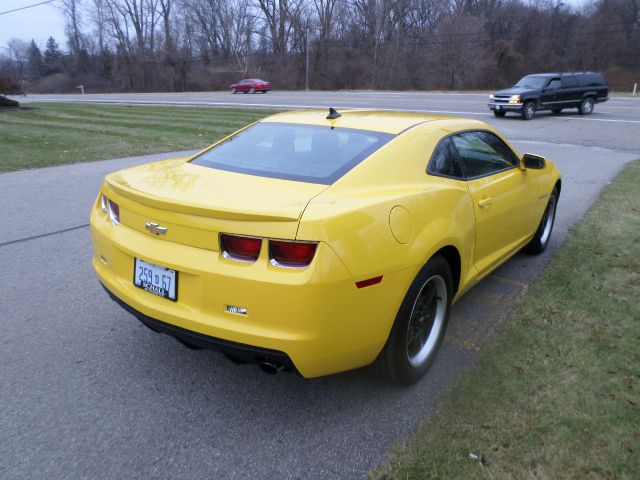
[610,106]
[300,106]
[602,120]
[261,105]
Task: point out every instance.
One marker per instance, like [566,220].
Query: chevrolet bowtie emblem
[155,228]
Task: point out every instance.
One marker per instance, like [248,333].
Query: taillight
[103,203]
[114,212]
[236,247]
[291,254]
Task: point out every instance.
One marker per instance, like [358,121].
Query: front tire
[252,90]
[528,110]
[419,327]
[499,113]
[586,107]
[233,90]
[540,240]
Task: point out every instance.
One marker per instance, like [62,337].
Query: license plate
[155,279]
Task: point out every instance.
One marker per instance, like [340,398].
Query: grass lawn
[558,394]
[55,134]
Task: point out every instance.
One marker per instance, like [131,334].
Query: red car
[250,85]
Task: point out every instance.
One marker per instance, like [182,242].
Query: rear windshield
[303,153]
[531,81]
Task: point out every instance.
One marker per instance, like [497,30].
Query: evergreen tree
[35,66]
[52,57]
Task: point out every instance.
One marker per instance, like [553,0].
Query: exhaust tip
[271,368]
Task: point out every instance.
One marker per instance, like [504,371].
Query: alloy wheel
[426,321]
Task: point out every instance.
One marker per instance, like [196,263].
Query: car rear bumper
[236,351]
[315,317]
[505,107]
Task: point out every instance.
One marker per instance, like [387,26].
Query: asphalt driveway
[88,392]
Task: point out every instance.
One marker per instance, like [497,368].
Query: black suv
[551,91]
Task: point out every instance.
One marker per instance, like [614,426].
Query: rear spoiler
[283,214]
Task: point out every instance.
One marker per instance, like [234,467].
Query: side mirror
[535,162]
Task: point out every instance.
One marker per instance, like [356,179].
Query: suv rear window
[304,153]
[568,82]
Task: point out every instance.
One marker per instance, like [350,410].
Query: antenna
[333,114]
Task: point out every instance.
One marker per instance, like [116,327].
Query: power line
[28,6]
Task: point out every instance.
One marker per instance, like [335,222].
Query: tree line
[178,45]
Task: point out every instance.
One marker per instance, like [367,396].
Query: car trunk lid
[196,203]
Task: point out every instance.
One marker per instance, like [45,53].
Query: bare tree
[239,25]
[133,26]
[205,44]
[71,9]
[18,55]
[280,18]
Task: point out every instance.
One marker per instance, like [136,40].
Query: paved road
[614,124]
[88,392]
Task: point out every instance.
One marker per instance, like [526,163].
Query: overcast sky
[38,23]
[44,21]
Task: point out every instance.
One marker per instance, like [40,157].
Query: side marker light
[368,282]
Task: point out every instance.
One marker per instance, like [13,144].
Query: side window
[568,82]
[591,80]
[444,160]
[555,83]
[482,153]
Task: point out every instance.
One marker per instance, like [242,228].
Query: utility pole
[306,70]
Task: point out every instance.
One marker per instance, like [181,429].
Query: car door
[501,194]
[550,93]
[570,92]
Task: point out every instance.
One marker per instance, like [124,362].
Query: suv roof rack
[565,73]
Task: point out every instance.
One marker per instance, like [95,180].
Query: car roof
[375,120]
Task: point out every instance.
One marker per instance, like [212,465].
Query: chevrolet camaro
[321,243]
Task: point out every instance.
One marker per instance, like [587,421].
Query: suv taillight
[291,254]
[237,247]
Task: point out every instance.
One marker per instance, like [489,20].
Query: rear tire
[528,110]
[419,327]
[586,107]
[540,240]
[499,114]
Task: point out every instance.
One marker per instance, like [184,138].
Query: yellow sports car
[320,243]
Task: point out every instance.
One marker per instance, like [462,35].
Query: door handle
[485,202]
